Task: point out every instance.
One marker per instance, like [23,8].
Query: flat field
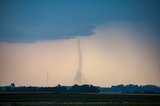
[79,99]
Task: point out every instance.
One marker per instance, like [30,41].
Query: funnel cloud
[99,42]
[78,77]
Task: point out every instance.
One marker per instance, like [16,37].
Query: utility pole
[47,79]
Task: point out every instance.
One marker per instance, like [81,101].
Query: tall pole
[47,79]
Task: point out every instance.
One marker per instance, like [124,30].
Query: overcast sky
[119,40]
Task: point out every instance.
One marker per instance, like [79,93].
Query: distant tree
[59,85]
[13,85]
[84,88]
[60,88]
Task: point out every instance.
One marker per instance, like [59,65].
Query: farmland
[79,99]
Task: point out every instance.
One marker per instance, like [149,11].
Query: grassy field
[79,99]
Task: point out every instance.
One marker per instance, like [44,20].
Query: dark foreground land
[79,99]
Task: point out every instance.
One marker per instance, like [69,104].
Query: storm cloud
[112,55]
[32,20]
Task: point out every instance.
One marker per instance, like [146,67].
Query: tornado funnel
[78,77]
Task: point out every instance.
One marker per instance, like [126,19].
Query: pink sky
[110,56]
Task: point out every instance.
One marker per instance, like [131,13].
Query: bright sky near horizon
[119,41]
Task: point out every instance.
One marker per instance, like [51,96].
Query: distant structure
[78,77]
[47,79]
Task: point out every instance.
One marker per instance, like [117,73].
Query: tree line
[75,88]
[151,89]
[86,88]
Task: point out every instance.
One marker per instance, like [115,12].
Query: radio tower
[47,79]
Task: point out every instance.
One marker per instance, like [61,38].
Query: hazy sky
[119,41]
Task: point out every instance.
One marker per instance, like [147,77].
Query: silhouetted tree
[84,88]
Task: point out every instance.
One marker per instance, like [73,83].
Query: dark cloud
[33,20]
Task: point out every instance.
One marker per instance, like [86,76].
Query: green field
[79,99]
